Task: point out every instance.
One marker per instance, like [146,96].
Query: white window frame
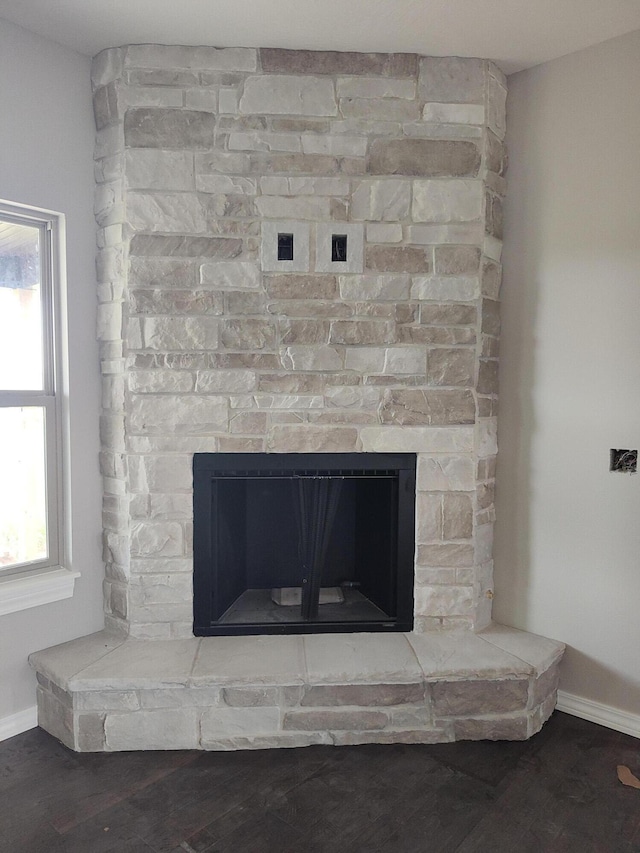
[44,581]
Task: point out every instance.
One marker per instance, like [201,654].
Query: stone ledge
[107,693]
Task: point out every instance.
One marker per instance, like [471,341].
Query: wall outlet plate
[273,246]
[332,238]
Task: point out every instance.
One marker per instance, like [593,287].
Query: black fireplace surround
[297,543]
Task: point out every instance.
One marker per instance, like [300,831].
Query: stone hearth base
[108,693]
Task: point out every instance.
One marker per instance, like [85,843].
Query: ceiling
[516,34]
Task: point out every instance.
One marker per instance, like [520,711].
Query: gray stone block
[289,95]
[154,127]
[277,60]
[434,158]
[156,729]
[414,407]
[362,694]
[451,79]
[409,259]
[353,720]
[496,728]
[456,260]
[451,366]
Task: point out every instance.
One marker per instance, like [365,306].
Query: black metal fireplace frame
[209,468]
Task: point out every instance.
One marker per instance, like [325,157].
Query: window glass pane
[23,518]
[20,308]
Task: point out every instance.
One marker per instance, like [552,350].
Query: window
[31,488]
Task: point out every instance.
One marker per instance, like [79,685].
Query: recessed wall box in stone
[282,239]
[344,239]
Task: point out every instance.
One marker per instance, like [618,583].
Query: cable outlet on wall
[625,461]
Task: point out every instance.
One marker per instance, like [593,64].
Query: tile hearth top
[103,661]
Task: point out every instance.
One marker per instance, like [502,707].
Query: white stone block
[360,658]
[277,185]
[387,200]
[220,723]
[109,321]
[293,207]
[166,212]
[226,185]
[379,232]
[165,473]
[274,94]
[417,439]
[493,248]
[451,232]
[163,729]
[405,360]
[486,437]
[276,401]
[446,473]
[163,539]
[228,101]
[496,106]
[447,200]
[158,381]
[231,275]
[180,333]
[182,56]
[337,146]
[153,96]
[225,381]
[375,87]
[205,100]
[160,589]
[365,359]
[350,397]
[454,113]
[150,169]
[262,141]
[483,543]
[455,288]
[375,287]
[170,414]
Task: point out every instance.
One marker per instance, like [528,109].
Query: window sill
[20,592]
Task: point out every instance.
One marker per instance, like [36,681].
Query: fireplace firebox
[294,543]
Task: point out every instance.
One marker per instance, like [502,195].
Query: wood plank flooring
[556,793]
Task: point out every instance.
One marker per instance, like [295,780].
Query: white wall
[46,151]
[568,531]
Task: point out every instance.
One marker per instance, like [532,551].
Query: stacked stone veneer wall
[209,345]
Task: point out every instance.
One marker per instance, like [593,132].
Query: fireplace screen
[303,543]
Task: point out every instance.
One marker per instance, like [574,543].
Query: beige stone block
[312,439]
[225,381]
[361,332]
[276,401]
[375,87]
[375,287]
[415,407]
[231,275]
[277,185]
[477,698]
[167,473]
[446,555]
[457,516]
[453,200]
[496,106]
[448,315]
[491,279]
[311,358]
[442,734]
[188,57]
[107,66]
[162,272]
[334,720]
[160,381]
[247,334]
[301,286]
[226,185]
[289,95]
[408,259]
[381,200]
[445,473]
[151,169]
[456,260]
[170,301]
[486,437]
[152,96]
[218,723]
[428,517]
[451,366]
[435,158]
[443,601]
[350,397]
[360,658]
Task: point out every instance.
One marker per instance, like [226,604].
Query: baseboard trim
[595,712]
[15,724]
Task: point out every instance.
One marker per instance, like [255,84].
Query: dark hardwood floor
[557,792]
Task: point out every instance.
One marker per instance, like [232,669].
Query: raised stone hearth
[102,693]
[298,252]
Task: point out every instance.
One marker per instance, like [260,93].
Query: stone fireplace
[299,253]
